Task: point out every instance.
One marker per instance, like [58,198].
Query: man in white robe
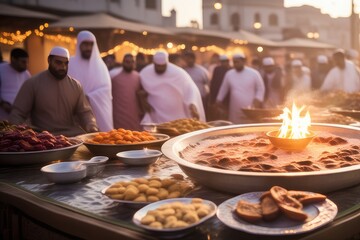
[12,77]
[246,88]
[90,70]
[343,77]
[170,92]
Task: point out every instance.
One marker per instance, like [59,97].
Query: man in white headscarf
[54,101]
[90,70]
[170,92]
[245,88]
[343,76]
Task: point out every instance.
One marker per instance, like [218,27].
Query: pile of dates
[21,138]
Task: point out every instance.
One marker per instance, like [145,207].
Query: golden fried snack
[307,197]
[148,189]
[181,126]
[269,208]
[250,212]
[280,195]
[293,213]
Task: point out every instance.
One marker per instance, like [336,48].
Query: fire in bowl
[291,144]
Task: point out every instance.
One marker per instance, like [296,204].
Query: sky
[188,10]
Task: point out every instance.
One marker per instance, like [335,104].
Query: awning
[304,43]
[12,11]
[242,35]
[102,20]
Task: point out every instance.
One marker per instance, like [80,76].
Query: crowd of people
[86,93]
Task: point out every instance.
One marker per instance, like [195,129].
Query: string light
[11,38]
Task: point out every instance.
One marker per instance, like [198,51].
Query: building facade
[265,18]
[271,20]
[146,11]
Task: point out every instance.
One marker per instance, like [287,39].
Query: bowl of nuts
[175,217]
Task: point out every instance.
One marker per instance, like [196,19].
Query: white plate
[319,215]
[142,212]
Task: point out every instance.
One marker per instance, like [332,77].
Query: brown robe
[58,106]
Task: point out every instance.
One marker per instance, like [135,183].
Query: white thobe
[346,79]
[170,94]
[244,86]
[10,84]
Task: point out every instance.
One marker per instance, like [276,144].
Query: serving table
[33,208]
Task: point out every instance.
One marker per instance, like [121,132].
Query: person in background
[344,76]
[113,66]
[12,77]
[256,64]
[274,83]
[140,61]
[176,59]
[198,74]
[54,101]
[319,72]
[214,62]
[353,55]
[1,57]
[298,81]
[215,83]
[125,85]
[168,93]
[90,70]
[246,89]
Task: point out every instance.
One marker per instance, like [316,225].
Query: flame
[294,126]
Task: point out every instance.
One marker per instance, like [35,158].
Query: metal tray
[241,181]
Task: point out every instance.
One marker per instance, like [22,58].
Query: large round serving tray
[243,181]
[35,157]
[110,150]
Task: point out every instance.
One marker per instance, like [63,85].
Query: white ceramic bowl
[139,157]
[64,172]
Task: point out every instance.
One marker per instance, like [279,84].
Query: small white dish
[64,172]
[139,157]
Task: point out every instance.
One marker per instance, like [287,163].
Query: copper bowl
[297,144]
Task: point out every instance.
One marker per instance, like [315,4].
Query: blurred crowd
[87,93]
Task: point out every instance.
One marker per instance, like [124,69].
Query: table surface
[85,198]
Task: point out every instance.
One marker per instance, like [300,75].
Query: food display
[255,153]
[148,189]
[181,126]
[224,158]
[21,138]
[275,202]
[176,214]
[121,136]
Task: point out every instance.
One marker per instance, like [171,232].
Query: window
[150,4]
[235,21]
[214,19]
[257,18]
[273,20]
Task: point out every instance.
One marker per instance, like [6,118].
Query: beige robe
[58,106]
